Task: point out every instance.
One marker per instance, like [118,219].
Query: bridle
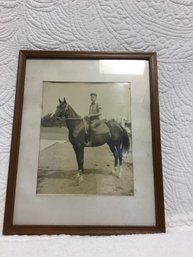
[83,119]
[66,107]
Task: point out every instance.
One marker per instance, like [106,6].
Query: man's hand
[86,117]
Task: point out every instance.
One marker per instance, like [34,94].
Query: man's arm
[98,113]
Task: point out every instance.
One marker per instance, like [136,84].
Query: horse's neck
[73,120]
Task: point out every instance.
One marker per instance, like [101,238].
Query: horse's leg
[115,154]
[120,156]
[81,159]
[79,151]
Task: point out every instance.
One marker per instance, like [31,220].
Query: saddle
[95,130]
[100,129]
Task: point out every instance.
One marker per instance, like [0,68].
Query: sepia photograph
[85,139]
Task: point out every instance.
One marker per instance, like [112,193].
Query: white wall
[164,26]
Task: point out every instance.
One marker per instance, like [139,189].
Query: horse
[117,138]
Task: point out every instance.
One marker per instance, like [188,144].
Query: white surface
[168,245]
[164,26]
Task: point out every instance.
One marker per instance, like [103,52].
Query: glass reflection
[132,67]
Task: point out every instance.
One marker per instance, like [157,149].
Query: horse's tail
[125,141]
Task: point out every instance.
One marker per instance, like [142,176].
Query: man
[95,111]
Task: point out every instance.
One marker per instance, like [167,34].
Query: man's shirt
[94,109]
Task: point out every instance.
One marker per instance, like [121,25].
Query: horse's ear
[64,101]
[59,100]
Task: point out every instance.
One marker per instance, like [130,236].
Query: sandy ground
[58,167]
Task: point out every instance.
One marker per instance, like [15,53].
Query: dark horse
[117,138]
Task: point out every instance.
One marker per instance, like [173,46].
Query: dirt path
[57,168]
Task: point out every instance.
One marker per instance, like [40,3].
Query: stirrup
[87,143]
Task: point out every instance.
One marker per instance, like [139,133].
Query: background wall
[164,26]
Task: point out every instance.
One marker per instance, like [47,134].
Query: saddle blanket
[101,129]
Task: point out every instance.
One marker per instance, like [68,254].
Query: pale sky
[114,98]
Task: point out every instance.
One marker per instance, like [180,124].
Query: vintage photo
[85,156]
[86,139]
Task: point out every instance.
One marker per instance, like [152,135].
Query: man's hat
[93,94]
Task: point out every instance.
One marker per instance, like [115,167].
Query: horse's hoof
[113,172]
[119,175]
[120,171]
[77,176]
[79,180]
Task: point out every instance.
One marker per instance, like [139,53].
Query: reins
[74,118]
[84,122]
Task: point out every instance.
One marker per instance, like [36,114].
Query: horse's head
[62,109]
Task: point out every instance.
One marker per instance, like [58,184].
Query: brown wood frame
[9,228]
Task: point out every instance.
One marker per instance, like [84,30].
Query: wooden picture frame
[98,214]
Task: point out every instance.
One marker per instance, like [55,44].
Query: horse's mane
[73,114]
